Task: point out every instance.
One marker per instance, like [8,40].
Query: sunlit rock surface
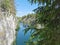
[7,30]
[7,23]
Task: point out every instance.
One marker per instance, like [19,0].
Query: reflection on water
[21,38]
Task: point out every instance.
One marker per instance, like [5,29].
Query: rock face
[7,30]
[29,19]
[7,25]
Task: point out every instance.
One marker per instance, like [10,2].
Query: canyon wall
[7,22]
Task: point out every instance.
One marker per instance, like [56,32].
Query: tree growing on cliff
[48,15]
[8,5]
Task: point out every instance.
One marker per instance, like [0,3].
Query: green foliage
[14,42]
[7,2]
[18,26]
[8,5]
[49,16]
[28,19]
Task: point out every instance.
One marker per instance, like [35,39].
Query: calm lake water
[21,38]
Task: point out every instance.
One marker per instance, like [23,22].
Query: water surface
[21,38]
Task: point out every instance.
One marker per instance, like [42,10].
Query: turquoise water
[21,38]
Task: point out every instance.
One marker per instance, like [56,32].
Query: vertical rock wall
[7,25]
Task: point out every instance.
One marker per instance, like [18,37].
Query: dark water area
[21,38]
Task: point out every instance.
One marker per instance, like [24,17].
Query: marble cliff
[7,22]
